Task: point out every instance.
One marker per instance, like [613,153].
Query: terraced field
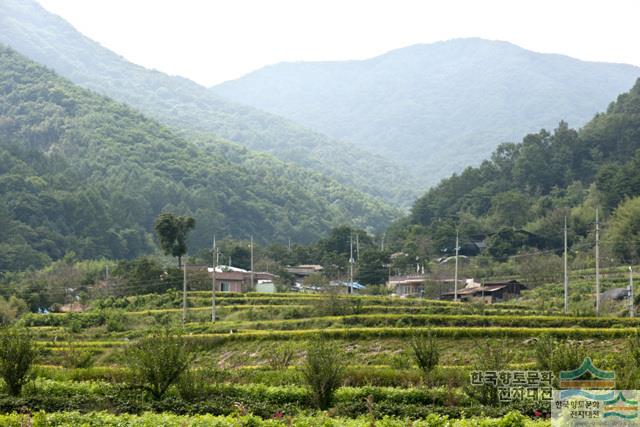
[239,367]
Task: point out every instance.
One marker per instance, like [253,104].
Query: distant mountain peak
[436,108]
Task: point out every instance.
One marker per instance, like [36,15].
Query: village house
[240,281]
[233,279]
[407,285]
[488,293]
[300,272]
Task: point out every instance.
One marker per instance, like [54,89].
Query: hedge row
[99,318]
[206,340]
[404,332]
[404,320]
[103,419]
[223,399]
[250,298]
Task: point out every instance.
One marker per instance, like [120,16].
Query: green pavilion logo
[587,376]
[621,407]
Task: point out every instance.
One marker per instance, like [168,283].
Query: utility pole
[455,276]
[252,273]
[214,256]
[106,277]
[351,262]
[382,243]
[289,246]
[184,292]
[566,271]
[631,302]
[597,264]
[357,246]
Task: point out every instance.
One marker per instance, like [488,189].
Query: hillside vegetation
[253,359]
[176,101]
[435,108]
[517,200]
[82,173]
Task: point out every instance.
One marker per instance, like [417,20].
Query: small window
[224,286]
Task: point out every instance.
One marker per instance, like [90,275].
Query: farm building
[233,279]
[300,272]
[488,293]
[408,285]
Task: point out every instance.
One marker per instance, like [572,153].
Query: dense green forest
[435,108]
[518,199]
[183,104]
[80,172]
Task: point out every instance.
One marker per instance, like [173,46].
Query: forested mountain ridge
[436,108]
[80,172]
[179,102]
[520,196]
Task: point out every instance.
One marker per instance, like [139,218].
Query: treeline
[192,108]
[81,173]
[517,200]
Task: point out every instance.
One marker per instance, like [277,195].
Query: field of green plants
[395,360]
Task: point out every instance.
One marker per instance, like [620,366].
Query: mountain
[80,172]
[435,108]
[178,102]
[518,199]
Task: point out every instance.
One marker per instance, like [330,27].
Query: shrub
[633,348]
[75,357]
[553,356]
[116,321]
[17,353]
[158,360]
[323,370]
[490,356]
[627,364]
[425,353]
[193,384]
[281,356]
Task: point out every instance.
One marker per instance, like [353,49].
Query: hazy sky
[211,41]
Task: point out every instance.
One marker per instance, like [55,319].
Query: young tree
[172,233]
[373,267]
[158,360]
[425,353]
[323,370]
[17,353]
[624,231]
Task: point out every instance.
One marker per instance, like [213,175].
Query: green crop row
[445,332]
[250,298]
[455,332]
[404,320]
[103,419]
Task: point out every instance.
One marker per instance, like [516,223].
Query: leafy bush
[158,360]
[193,384]
[11,309]
[511,419]
[116,321]
[323,370]
[281,356]
[554,356]
[425,352]
[73,356]
[17,353]
[490,356]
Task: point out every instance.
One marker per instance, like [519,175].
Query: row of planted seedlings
[115,321]
[158,373]
[239,418]
[428,384]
